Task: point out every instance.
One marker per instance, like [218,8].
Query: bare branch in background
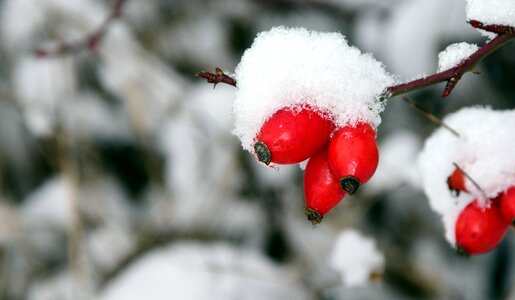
[90,42]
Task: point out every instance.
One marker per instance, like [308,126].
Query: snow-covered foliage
[454,54]
[196,271]
[484,150]
[288,67]
[356,258]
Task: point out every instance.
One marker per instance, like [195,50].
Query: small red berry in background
[479,229]
[353,155]
[456,182]
[507,204]
[322,190]
[292,135]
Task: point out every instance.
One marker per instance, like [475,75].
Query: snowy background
[120,178]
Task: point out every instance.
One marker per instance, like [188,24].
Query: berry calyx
[353,155]
[292,135]
[456,182]
[322,191]
[479,229]
[507,204]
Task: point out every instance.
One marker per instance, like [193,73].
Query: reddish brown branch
[499,29]
[90,41]
[453,75]
[217,77]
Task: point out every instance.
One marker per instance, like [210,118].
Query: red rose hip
[353,155]
[456,182]
[322,191]
[292,135]
[479,229]
[507,204]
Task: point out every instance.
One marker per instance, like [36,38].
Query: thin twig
[217,77]
[471,179]
[89,42]
[431,116]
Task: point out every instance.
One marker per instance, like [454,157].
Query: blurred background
[120,178]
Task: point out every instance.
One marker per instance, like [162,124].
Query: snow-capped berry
[292,135]
[456,182]
[507,204]
[322,191]
[479,229]
[353,155]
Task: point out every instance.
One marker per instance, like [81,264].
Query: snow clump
[292,67]
[454,54]
[484,150]
[499,12]
[356,258]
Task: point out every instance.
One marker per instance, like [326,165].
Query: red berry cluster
[480,229]
[337,165]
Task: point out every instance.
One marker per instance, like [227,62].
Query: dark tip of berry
[313,216]
[350,184]
[461,251]
[263,153]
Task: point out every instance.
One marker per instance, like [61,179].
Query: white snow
[197,271]
[455,54]
[500,12]
[40,86]
[355,257]
[48,206]
[484,150]
[294,66]
[397,153]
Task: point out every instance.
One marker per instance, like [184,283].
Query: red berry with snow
[353,155]
[507,204]
[479,229]
[322,191]
[456,182]
[292,135]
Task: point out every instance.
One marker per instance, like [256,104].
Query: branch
[89,42]
[453,75]
[217,77]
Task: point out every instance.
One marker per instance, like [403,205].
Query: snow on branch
[89,42]
[452,75]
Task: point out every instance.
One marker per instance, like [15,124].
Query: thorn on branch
[451,83]
[217,77]
[499,29]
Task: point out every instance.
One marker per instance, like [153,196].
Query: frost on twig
[89,42]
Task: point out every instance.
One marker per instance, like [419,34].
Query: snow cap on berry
[292,67]
[484,151]
[491,12]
